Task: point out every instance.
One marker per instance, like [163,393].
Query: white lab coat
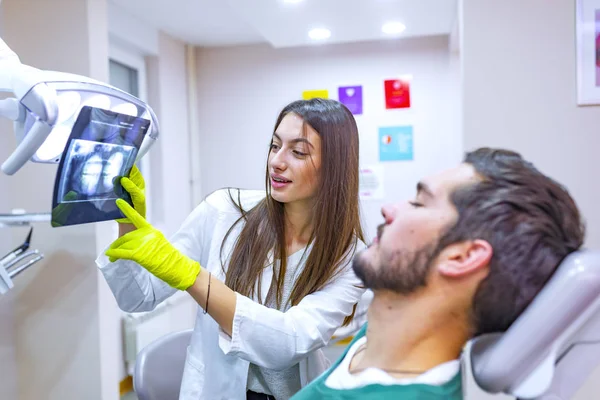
[217,364]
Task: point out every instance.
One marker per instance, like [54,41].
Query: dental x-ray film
[101,149]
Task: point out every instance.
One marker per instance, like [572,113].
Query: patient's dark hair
[532,224]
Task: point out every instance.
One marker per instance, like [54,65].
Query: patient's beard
[402,272]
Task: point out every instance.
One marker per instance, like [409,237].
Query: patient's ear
[464,258]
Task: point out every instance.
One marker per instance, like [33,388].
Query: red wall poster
[397,93]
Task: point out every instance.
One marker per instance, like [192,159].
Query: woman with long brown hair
[270,270]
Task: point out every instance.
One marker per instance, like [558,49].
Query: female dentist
[270,271]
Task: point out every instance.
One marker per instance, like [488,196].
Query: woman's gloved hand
[61,213]
[135,186]
[149,248]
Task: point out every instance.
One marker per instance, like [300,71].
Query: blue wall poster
[396,143]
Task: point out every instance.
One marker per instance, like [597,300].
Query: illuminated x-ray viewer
[101,149]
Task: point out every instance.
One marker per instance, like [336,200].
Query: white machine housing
[47,104]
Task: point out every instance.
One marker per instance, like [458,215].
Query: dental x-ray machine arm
[44,109]
[19,79]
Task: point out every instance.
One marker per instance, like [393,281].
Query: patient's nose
[389,212]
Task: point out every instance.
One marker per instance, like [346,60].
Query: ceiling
[214,23]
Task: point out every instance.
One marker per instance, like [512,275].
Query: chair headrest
[538,348]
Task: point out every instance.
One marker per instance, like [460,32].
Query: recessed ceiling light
[319,34]
[393,28]
[293,1]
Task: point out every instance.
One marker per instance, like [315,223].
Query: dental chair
[159,367]
[549,352]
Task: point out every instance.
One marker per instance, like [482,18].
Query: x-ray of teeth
[93,168]
[101,149]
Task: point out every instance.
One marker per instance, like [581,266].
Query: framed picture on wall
[587,24]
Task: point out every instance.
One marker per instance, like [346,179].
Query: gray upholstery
[159,367]
[554,345]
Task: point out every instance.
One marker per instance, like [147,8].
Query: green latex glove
[62,211]
[149,248]
[135,186]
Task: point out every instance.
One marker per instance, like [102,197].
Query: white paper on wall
[371,182]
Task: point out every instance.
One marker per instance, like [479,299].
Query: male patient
[465,257]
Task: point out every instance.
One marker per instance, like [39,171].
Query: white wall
[8,356]
[56,328]
[242,89]
[519,95]
[168,96]
[520,92]
[125,29]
